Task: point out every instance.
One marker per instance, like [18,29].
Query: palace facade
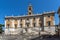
[13,24]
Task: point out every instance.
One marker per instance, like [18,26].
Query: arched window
[34,24]
[15,25]
[33,19]
[41,24]
[21,19]
[8,25]
[27,25]
[49,23]
[21,25]
[27,19]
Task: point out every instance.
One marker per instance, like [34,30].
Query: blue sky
[19,7]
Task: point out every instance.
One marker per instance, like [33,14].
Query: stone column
[31,22]
[13,23]
[44,21]
[37,22]
[18,23]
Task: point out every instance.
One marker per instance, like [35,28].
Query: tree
[1,30]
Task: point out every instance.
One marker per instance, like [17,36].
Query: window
[34,24]
[26,29]
[41,25]
[21,25]
[27,19]
[33,19]
[15,25]
[48,16]
[21,19]
[48,23]
[27,25]
[8,25]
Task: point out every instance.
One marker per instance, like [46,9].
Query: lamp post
[59,21]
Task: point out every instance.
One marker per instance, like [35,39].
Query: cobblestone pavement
[46,38]
[25,37]
[15,37]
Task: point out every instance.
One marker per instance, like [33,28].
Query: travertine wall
[51,19]
[37,22]
[9,22]
[23,23]
[31,21]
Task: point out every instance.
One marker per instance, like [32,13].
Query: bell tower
[30,9]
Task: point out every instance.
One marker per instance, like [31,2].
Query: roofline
[49,12]
[31,15]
